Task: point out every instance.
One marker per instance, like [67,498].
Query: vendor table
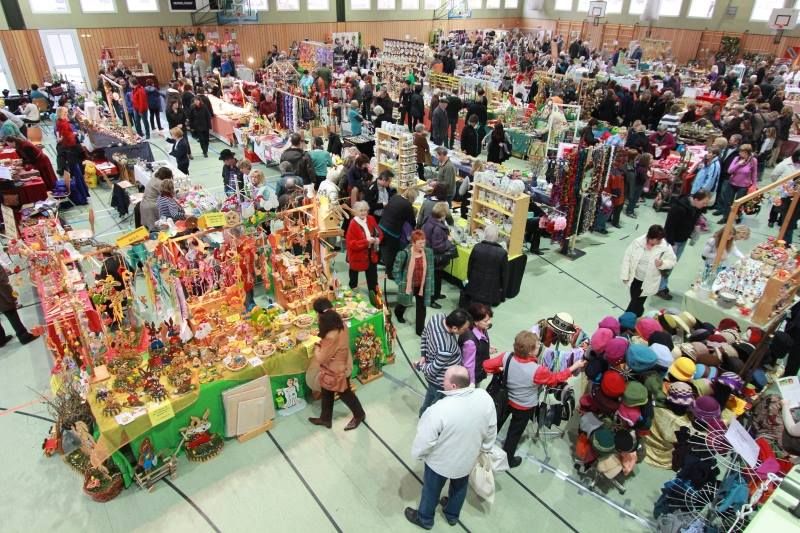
[364,144]
[222,128]
[31,191]
[709,311]
[142,175]
[280,367]
[109,146]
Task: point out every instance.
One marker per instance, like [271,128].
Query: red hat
[728,323]
[756,334]
[600,339]
[645,326]
[612,384]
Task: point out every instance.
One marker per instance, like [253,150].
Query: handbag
[498,389]
[481,479]
[443,259]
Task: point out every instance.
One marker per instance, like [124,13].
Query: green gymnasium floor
[301,477]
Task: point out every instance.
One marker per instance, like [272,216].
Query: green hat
[603,440]
[635,394]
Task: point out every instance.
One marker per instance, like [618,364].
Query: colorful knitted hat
[706,408]
[628,414]
[647,326]
[682,369]
[603,440]
[664,357]
[615,350]
[600,339]
[627,320]
[635,394]
[640,358]
[612,384]
[732,381]
[705,371]
[661,337]
[680,393]
[611,323]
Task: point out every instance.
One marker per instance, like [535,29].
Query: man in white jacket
[645,259]
[450,436]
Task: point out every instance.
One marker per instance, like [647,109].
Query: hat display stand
[710,508]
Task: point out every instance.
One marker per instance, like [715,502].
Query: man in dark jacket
[479,108]
[725,159]
[469,138]
[487,270]
[416,107]
[678,229]
[638,140]
[575,49]
[440,123]
[454,106]
[379,192]
[405,104]
[398,219]
[299,158]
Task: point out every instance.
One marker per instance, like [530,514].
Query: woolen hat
[664,357]
[733,381]
[744,349]
[600,339]
[728,323]
[661,337]
[680,393]
[682,324]
[627,320]
[689,318]
[703,355]
[602,403]
[715,339]
[703,386]
[705,371]
[730,335]
[629,414]
[611,323]
[595,368]
[603,440]
[589,422]
[700,335]
[706,408]
[755,335]
[647,326]
[612,384]
[615,350]
[667,322]
[624,441]
[635,394]
[682,369]
[610,466]
[640,358]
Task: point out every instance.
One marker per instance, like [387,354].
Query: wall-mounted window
[287,5]
[702,9]
[409,5]
[360,5]
[636,7]
[512,4]
[431,4]
[762,9]
[142,6]
[98,6]
[318,5]
[492,4]
[668,8]
[478,4]
[259,5]
[563,5]
[386,5]
[49,6]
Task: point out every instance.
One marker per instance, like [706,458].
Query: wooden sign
[139,234]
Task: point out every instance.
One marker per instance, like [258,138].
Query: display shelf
[395,151]
[510,217]
[779,294]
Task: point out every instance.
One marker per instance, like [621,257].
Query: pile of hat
[667,359]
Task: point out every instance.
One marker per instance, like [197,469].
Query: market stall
[227,117]
[19,184]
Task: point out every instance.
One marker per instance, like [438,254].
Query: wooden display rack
[518,214]
[126,54]
[446,82]
[405,157]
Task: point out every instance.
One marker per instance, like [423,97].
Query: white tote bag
[481,479]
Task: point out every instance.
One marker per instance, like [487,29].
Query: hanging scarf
[412,263]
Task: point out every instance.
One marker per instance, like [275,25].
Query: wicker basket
[110,493]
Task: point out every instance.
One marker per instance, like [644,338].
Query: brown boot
[354,423]
[320,422]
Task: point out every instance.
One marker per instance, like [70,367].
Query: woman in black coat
[416,106]
[470,144]
[397,222]
[487,271]
[200,124]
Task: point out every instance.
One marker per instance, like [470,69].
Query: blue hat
[627,320]
[640,358]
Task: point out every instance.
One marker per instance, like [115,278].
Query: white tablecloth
[142,175]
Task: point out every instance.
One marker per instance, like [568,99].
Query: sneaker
[515,461]
[664,294]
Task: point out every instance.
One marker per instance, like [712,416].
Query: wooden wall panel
[25,56]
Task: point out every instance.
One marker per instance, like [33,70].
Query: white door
[64,55]
[6,81]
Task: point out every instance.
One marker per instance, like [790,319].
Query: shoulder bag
[498,389]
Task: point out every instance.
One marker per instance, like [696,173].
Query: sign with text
[183,5]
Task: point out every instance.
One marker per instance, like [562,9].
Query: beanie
[603,440]
[611,323]
[640,358]
[600,339]
[661,337]
[627,320]
[635,394]
[615,350]
[612,384]
[647,326]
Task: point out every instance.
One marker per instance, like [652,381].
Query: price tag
[215,219]
[160,412]
[139,234]
[255,361]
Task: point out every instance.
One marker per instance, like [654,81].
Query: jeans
[432,485]
[678,248]
[633,198]
[19,328]
[519,421]
[732,193]
[138,118]
[431,397]
[636,305]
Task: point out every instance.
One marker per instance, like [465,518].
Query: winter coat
[653,275]
[436,235]
[199,119]
[439,126]
[469,141]
[681,220]
[707,177]
[359,252]
[479,109]
[638,141]
[153,98]
[487,273]
[301,163]
[176,118]
[187,97]
[180,151]
[396,214]
[372,196]
[139,99]
[416,106]
[400,271]
[423,149]
[335,361]
[7,300]
[743,174]
[452,432]
[148,209]
[616,188]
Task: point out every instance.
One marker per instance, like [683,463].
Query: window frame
[753,11]
[326,8]
[114,9]
[36,11]
[156,10]
[367,8]
[379,8]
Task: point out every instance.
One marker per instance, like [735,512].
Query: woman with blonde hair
[739,233]
[180,149]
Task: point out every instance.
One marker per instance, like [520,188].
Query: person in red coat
[140,107]
[362,240]
[34,156]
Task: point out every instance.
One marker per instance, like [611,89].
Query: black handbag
[498,389]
